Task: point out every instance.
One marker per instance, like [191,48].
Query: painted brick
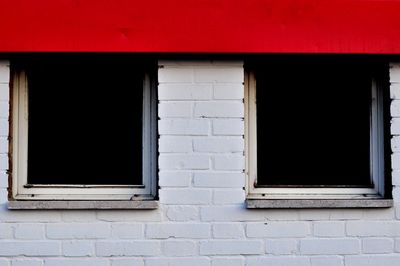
[278,229]
[230,214]
[183,213]
[231,127]
[394,72]
[178,248]
[4,109]
[396,177]
[29,231]
[26,262]
[185,196]
[281,246]
[382,214]
[372,260]
[200,63]
[172,75]
[175,144]
[395,108]
[377,245]
[314,215]
[178,230]
[76,262]
[78,231]
[29,216]
[127,230]
[231,247]
[326,261]
[336,246]
[79,216]
[4,71]
[329,229]
[229,196]
[189,127]
[396,193]
[184,91]
[3,127]
[77,248]
[129,216]
[183,162]
[219,180]
[220,109]
[174,179]
[127,262]
[278,261]
[3,196]
[228,91]
[128,248]
[373,228]
[228,230]
[204,136]
[395,126]
[219,74]
[397,212]
[6,231]
[3,162]
[345,214]
[3,145]
[397,245]
[29,248]
[218,145]
[395,91]
[3,179]
[227,261]
[192,261]
[4,92]
[175,109]
[228,162]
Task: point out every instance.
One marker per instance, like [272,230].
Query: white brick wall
[4,105]
[201,220]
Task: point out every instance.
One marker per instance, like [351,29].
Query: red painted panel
[201,26]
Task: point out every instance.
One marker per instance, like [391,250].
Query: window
[316,128]
[83,128]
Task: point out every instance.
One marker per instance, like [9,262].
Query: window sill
[82,205]
[317,203]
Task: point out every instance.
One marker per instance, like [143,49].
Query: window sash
[376,155]
[19,136]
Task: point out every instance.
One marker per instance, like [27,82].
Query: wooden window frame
[21,190]
[376,151]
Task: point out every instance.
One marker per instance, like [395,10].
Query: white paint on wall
[201,219]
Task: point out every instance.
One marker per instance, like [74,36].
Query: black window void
[85,121]
[313,122]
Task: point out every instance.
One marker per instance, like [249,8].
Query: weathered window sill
[82,205]
[317,203]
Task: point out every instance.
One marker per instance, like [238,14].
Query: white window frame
[21,190]
[376,150]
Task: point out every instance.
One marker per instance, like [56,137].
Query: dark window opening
[314,122]
[85,121]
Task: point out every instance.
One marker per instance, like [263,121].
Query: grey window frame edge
[82,205]
[317,203]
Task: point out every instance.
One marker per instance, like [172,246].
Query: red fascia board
[201,26]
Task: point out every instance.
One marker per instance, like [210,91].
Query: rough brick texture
[201,219]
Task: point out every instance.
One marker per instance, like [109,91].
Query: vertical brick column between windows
[395,127]
[4,114]
[201,129]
